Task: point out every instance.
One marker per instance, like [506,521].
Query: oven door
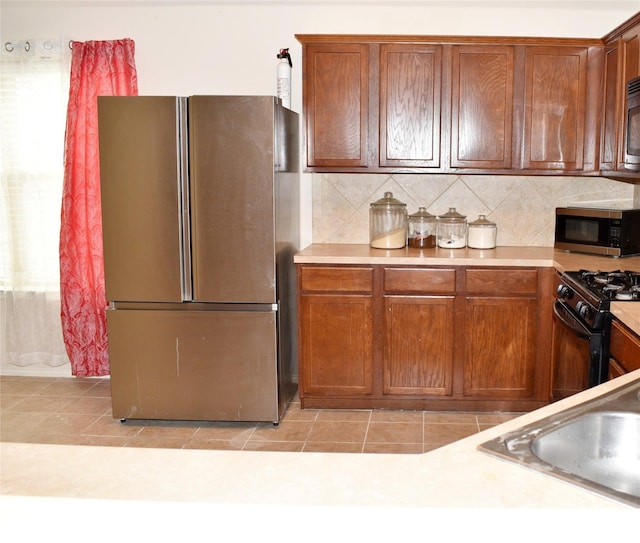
[579,358]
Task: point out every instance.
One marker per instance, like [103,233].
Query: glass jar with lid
[388,223]
[452,230]
[423,229]
[482,233]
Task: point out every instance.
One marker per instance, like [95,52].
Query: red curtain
[98,68]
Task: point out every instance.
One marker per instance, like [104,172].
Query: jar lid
[482,221]
[388,201]
[422,215]
[452,216]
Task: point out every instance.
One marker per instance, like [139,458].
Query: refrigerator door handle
[183,191]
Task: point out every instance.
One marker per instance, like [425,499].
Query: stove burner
[610,285]
[631,293]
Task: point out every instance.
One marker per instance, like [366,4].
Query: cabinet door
[630,59]
[500,351]
[612,135]
[419,345]
[336,104]
[482,106]
[555,104]
[410,81]
[615,369]
[336,339]
[624,347]
[630,43]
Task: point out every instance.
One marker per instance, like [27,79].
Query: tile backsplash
[522,207]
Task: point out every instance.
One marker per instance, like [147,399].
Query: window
[34,79]
[33,96]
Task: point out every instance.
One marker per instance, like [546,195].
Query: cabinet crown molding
[490,40]
[621,29]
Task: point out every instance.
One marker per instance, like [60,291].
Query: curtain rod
[47,45]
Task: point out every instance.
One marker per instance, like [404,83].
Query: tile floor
[78,411]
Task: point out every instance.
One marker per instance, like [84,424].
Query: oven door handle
[570,321]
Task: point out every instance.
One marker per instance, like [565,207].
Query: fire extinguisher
[284,77]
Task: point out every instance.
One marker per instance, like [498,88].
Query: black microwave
[632,131]
[614,232]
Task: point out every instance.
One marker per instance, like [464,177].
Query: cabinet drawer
[503,282]
[624,346]
[416,280]
[336,279]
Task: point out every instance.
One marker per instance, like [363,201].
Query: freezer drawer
[193,365]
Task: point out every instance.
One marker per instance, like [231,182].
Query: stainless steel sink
[595,445]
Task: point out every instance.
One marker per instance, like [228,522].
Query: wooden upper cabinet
[482,93]
[453,104]
[621,64]
[630,44]
[336,104]
[612,134]
[410,82]
[555,104]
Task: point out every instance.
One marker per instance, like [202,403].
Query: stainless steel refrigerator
[200,214]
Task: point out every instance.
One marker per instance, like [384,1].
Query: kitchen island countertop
[313,491]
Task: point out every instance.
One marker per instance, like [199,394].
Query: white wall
[229,46]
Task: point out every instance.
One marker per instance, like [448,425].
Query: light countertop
[255,492]
[628,313]
[336,253]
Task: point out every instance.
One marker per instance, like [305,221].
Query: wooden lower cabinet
[336,345]
[424,338]
[500,347]
[335,330]
[418,356]
[624,350]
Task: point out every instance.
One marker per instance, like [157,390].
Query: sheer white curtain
[34,76]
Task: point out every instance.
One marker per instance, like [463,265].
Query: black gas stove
[589,293]
[583,303]
[583,317]
[609,286]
